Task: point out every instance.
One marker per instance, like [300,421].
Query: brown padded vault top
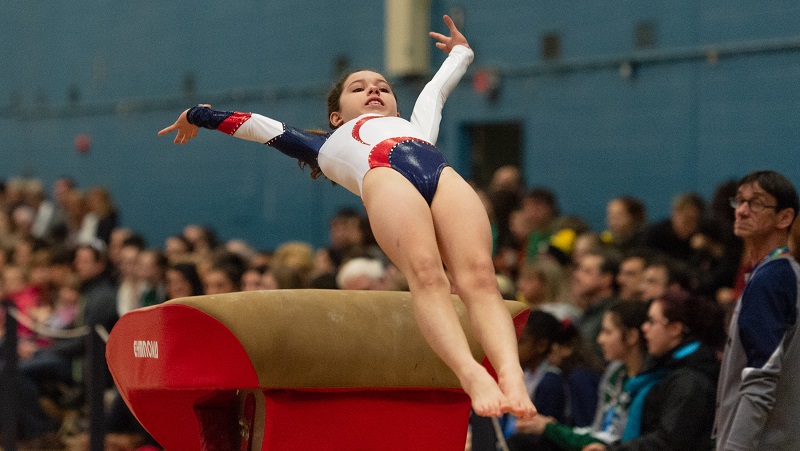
[334,338]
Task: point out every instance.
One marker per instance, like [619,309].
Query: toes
[495,408]
[522,409]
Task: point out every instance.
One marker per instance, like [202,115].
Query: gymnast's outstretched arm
[295,143]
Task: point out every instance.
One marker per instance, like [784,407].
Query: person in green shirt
[540,209]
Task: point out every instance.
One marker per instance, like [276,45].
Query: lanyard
[775,254]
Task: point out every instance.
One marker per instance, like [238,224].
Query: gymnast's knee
[476,276]
[427,273]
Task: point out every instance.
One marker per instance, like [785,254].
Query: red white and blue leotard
[366,142]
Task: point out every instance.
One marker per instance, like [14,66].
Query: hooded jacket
[678,411]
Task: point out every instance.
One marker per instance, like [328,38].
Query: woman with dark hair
[675,410]
[624,346]
[183,281]
[421,211]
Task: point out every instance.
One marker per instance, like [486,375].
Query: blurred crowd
[69,260]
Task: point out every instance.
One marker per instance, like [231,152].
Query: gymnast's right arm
[295,143]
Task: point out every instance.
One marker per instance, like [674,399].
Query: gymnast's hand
[445,43]
[186,131]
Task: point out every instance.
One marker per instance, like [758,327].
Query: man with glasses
[758,400]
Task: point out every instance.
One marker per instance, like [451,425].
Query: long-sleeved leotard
[366,142]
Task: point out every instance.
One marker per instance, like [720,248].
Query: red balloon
[83,143]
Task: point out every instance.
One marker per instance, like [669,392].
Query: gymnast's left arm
[427,112]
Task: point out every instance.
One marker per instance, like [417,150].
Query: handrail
[44,331]
[95,381]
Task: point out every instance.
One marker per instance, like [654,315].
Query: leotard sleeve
[295,143]
[427,112]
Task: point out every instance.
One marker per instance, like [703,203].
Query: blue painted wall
[679,123]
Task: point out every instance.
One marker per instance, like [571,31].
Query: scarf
[640,385]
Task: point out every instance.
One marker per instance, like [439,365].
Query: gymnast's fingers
[438,36]
[169,129]
[450,24]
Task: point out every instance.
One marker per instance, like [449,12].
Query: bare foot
[487,398]
[519,401]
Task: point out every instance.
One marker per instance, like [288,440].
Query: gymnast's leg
[464,237]
[402,224]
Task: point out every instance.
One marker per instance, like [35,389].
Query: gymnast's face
[364,92]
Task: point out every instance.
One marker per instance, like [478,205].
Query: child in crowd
[65,309]
[15,286]
[546,384]
[582,370]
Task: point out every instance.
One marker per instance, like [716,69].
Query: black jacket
[679,410]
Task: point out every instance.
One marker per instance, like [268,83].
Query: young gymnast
[421,211]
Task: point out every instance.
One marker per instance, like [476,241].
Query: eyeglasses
[754,204]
